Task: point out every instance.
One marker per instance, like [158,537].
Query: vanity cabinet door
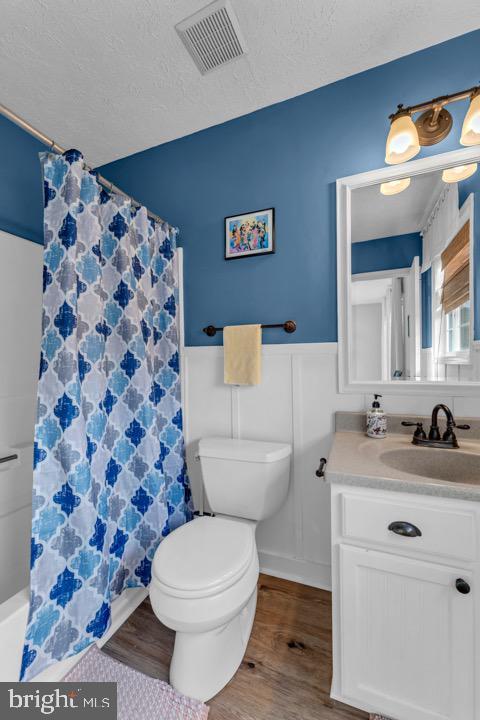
[407,636]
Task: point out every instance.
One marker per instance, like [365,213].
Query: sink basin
[439,464]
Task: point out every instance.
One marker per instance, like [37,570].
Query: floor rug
[138,696]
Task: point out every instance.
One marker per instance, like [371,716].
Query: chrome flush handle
[8,458]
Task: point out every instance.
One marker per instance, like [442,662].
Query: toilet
[205,573]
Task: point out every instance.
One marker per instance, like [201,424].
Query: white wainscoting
[295,402]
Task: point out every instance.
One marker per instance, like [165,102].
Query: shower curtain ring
[52,145]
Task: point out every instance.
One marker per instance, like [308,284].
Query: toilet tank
[245,478]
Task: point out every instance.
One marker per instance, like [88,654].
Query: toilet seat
[204,557]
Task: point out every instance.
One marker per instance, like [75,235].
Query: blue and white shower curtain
[109,467]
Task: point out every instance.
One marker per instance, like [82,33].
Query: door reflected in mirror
[385,325]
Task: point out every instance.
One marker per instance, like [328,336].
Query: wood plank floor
[286,671]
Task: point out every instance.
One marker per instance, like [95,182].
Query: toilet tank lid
[243,450]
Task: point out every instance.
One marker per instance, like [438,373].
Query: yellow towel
[242,354]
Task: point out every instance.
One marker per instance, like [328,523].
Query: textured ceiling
[111,77]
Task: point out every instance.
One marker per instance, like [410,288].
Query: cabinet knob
[462,586]
[400,527]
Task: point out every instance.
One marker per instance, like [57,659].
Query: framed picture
[250,234]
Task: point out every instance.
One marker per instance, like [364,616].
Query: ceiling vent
[212,36]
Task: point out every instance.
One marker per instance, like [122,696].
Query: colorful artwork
[249,234]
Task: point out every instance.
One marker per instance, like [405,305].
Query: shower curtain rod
[58,149]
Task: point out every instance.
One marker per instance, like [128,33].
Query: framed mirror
[408,274]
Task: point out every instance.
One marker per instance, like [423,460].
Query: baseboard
[301,571]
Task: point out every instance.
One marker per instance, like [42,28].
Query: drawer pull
[406,529]
[462,586]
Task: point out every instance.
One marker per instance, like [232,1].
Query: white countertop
[356,459]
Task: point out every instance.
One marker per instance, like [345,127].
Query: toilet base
[203,663]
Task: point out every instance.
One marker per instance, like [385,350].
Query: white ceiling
[112,77]
[378,216]
[365,292]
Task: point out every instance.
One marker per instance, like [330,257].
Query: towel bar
[289,326]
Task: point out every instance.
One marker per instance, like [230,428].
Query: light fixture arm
[437,103]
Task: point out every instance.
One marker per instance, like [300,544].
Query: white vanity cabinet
[406,609]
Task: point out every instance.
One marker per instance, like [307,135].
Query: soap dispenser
[376,420]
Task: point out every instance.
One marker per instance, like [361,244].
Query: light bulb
[394,186]
[402,140]
[459,172]
[471,124]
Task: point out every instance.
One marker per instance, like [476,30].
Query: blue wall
[426,300]
[21,196]
[388,253]
[287,156]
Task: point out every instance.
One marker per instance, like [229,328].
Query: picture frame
[250,234]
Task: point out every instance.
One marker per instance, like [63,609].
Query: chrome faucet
[447,440]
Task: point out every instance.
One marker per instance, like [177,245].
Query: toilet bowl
[205,573]
[204,580]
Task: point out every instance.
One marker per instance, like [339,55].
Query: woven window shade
[456,270]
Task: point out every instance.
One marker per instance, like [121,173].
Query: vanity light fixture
[459,172]
[406,135]
[394,186]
